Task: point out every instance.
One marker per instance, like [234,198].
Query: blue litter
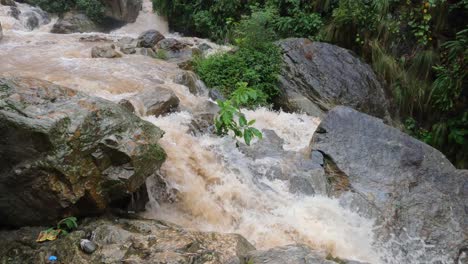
[53,258]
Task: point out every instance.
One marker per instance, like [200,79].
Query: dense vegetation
[418,48]
[94,9]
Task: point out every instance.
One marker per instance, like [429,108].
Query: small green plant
[63,228]
[230,117]
[161,54]
[67,224]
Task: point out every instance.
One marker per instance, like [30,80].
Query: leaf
[251,122]
[256,132]
[247,136]
[242,120]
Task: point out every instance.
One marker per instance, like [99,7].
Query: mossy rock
[62,152]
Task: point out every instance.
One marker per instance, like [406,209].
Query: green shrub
[94,9]
[257,67]
[54,6]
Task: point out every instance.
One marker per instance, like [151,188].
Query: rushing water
[217,190]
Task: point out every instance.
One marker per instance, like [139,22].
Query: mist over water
[217,190]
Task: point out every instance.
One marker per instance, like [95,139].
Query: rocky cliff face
[62,152]
[318,76]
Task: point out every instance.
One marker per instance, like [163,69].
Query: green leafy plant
[94,9]
[67,224]
[258,67]
[230,117]
[63,228]
[55,6]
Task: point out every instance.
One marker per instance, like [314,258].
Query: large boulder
[64,153]
[156,101]
[318,76]
[149,38]
[294,254]
[126,241]
[408,186]
[73,22]
[123,10]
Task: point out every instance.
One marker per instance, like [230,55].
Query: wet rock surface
[105,51]
[303,174]
[409,186]
[149,38]
[156,101]
[318,76]
[126,241]
[294,254]
[73,22]
[191,80]
[62,153]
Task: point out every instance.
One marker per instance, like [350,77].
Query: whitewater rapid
[217,190]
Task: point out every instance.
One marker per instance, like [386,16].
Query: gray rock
[216,95]
[126,241]
[171,44]
[204,47]
[127,41]
[7,2]
[293,254]
[318,76]
[73,22]
[176,50]
[156,101]
[302,174]
[149,38]
[191,80]
[412,187]
[148,52]
[128,49]
[14,12]
[1,31]
[122,10]
[106,51]
[87,246]
[65,153]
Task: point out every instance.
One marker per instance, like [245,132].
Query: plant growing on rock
[63,228]
[230,117]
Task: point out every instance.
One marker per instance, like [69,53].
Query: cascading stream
[217,188]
